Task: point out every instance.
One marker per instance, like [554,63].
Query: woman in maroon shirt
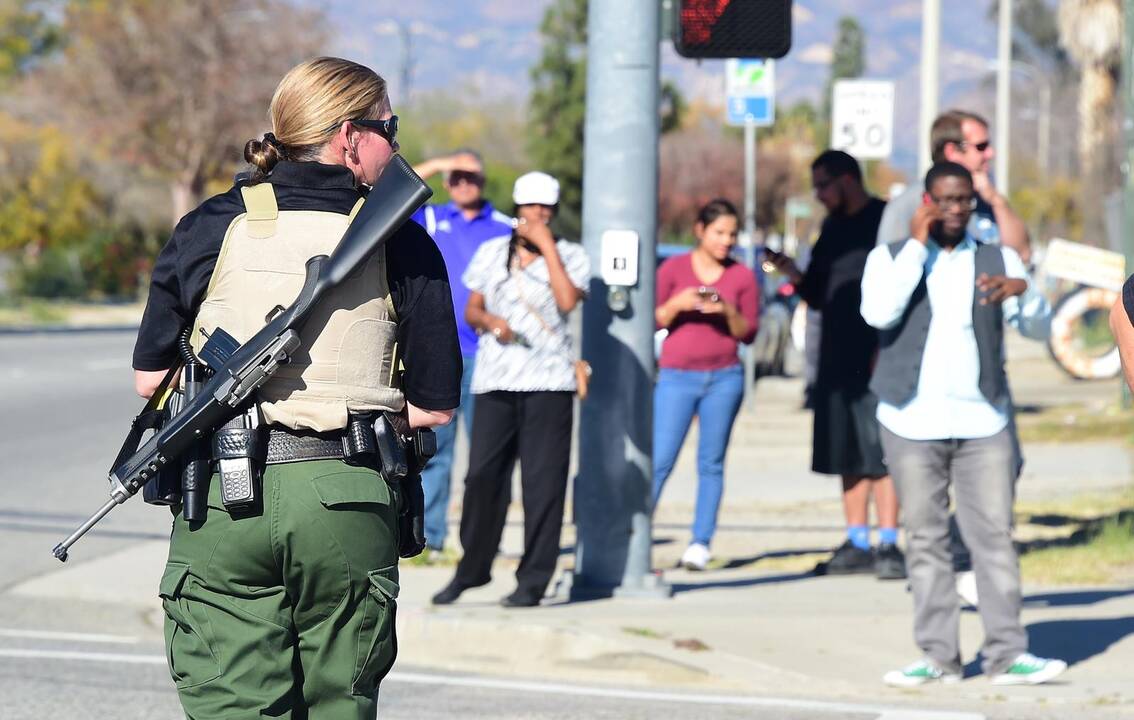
[709,303]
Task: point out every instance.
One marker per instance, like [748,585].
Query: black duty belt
[294,445]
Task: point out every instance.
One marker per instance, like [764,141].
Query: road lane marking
[83,656]
[881,711]
[65,636]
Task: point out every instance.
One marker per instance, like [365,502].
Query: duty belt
[286,446]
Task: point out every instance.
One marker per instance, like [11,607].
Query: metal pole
[1128,160]
[930,47]
[1003,95]
[1045,126]
[613,491]
[749,245]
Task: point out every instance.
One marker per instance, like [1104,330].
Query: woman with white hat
[522,288]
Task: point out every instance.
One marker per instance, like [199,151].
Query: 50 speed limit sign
[862,118]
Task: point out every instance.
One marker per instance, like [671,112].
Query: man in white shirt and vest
[940,300]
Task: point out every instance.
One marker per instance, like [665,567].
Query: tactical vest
[902,347]
[346,360]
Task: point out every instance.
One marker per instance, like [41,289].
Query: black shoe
[847,560]
[889,562]
[518,600]
[450,593]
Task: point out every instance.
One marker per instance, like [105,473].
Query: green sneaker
[920,673]
[1027,669]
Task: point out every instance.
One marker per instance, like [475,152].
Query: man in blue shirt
[458,227]
[940,300]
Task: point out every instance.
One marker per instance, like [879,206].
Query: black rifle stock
[398,193]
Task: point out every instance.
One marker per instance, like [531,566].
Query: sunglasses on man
[980,146]
[458,177]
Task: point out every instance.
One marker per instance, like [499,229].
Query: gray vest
[902,346]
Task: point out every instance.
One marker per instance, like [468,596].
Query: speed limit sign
[862,118]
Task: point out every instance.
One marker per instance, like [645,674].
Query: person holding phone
[709,303]
[940,300]
[845,441]
[522,288]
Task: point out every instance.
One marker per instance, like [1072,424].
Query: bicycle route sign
[751,89]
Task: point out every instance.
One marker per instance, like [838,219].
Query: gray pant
[983,472]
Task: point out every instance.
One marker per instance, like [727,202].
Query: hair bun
[263,155]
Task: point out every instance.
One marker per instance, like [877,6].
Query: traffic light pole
[613,490]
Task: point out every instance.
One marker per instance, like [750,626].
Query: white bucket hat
[535,188]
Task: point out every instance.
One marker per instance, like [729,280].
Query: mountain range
[485,49]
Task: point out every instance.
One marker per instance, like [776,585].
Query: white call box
[620,257]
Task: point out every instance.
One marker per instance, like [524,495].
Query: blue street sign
[742,110]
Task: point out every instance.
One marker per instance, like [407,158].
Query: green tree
[848,58]
[557,106]
[25,34]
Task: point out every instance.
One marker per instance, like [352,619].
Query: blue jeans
[714,397]
[436,478]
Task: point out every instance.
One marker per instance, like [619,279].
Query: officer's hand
[1000,287]
[500,329]
[923,219]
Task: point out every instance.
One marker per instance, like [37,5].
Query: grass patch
[1103,555]
[447,557]
[644,633]
[1077,424]
[18,313]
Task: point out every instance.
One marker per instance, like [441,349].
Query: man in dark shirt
[846,439]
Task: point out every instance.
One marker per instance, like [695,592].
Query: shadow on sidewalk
[1075,597]
[1077,640]
[741,583]
[746,561]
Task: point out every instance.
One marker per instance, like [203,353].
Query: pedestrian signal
[733,28]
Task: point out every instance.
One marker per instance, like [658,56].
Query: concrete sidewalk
[759,622]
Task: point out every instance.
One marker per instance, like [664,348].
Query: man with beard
[940,300]
[845,440]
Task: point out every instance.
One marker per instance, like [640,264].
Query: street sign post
[862,118]
[751,102]
[751,89]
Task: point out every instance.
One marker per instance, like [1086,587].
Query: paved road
[67,402]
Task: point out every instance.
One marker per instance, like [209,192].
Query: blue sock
[859,535]
[888,536]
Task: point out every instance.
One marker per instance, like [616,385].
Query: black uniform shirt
[419,284]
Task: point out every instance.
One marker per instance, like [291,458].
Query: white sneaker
[966,587]
[696,557]
[919,673]
[1027,669]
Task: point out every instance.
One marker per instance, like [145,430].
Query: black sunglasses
[387,128]
[980,146]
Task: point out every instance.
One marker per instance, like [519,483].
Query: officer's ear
[348,138]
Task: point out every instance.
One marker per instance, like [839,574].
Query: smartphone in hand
[709,294]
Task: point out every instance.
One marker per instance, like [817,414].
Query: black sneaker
[848,559]
[889,562]
[449,594]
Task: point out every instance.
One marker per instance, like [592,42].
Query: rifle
[398,193]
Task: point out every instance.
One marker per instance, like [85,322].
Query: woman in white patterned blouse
[522,288]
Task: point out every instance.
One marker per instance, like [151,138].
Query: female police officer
[287,610]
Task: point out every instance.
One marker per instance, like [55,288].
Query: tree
[1091,31]
[25,34]
[848,58]
[557,106]
[175,87]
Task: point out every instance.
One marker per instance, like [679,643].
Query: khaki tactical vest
[346,360]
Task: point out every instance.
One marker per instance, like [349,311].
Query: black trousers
[536,428]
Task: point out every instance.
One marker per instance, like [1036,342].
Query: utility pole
[930,50]
[749,247]
[1003,95]
[613,490]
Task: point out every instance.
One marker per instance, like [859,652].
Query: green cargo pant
[286,612]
